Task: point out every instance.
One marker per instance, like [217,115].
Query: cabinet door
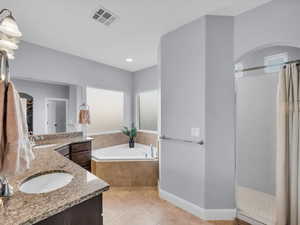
[86,213]
[65,151]
[81,158]
[86,146]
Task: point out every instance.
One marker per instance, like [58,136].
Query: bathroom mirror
[49,108]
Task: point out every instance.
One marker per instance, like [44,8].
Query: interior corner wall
[44,64]
[75,93]
[219,113]
[197,90]
[144,80]
[275,23]
[182,80]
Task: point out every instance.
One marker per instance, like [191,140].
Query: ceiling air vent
[104,16]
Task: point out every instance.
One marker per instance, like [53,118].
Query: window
[275,60]
[106,110]
[148,110]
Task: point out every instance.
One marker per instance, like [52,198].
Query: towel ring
[84,106]
[4,67]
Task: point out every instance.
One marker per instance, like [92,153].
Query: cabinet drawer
[81,158]
[86,146]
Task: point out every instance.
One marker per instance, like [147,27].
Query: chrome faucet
[152,151]
[5,188]
[32,140]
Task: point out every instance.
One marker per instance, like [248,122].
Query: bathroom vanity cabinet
[65,151]
[77,203]
[79,153]
[86,213]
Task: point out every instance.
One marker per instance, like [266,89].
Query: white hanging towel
[2,138]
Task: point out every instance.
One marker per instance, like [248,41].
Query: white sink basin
[45,146]
[46,182]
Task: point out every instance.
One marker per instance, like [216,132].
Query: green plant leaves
[130,133]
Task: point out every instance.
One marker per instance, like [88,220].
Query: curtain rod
[263,67]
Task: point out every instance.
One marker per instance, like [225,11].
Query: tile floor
[142,206]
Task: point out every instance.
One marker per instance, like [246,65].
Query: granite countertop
[25,209]
[60,142]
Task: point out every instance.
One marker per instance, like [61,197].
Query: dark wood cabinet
[79,147]
[65,151]
[88,212]
[80,153]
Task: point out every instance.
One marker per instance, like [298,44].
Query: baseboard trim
[181,203]
[220,214]
[248,220]
[205,214]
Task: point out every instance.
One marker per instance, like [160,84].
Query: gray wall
[197,91]
[40,91]
[219,114]
[272,24]
[182,94]
[144,80]
[75,100]
[44,64]
[275,23]
[257,57]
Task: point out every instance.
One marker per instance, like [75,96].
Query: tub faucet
[152,151]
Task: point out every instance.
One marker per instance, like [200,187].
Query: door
[56,116]
[51,120]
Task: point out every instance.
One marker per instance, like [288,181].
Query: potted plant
[131,133]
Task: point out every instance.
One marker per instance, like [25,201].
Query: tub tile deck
[125,173]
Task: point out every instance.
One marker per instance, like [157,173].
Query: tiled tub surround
[127,173]
[25,209]
[109,139]
[124,153]
[121,166]
[147,138]
[117,138]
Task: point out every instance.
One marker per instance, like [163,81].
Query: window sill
[148,131]
[105,132]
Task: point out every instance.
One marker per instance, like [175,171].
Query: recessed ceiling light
[129,60]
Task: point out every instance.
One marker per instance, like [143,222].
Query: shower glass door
[256,145]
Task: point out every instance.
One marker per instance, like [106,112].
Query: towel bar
[181,140]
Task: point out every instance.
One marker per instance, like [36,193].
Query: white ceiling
[66,25]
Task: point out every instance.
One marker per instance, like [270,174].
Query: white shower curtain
[288,157]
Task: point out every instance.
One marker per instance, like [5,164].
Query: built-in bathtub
[124,153]
[121,166]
